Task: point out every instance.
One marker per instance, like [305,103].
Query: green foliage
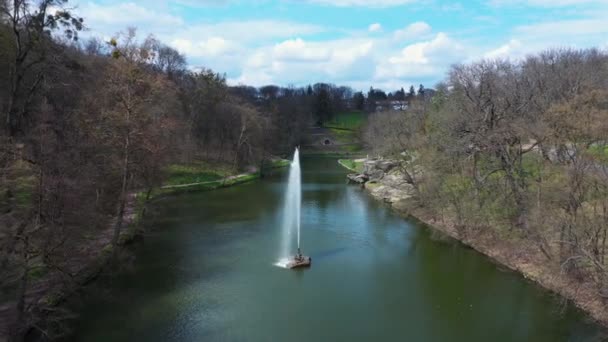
[600,152]
[344,136]
[353,148]
[351,164]
[277,163]
[195,173]
[208,186]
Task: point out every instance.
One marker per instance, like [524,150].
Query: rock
[357,178]
[375,175]
[388,194]
[402,206]
[373,166]
[369,166]
[386,165]
[384,181]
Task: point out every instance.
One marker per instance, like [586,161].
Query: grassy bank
[209,176]
[355,165]
[348,120]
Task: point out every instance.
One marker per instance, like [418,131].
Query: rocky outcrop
[357,178]
[387,193]
[383,180]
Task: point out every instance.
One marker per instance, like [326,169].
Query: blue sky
[384,43]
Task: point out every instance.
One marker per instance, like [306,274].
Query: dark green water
[205,273]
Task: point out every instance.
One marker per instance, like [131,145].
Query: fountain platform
[299,260]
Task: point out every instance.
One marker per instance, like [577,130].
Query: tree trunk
[123,195]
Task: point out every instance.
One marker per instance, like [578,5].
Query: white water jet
[291,211]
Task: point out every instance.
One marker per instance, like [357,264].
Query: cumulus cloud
[246,31]
[535,37]
[114,17]
[226,46]
[299,50]
[211,47]
[414,30]
[375,27]
[422,59]
[561,28]
[511,49]
[259,51]
[300,61]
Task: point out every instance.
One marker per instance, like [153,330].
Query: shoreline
[516,254]
[97,255]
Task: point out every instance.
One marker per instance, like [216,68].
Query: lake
[204,272]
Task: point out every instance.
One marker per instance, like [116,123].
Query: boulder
[376,169]
[386,165]
[375,175]
[369,166]
[357,178]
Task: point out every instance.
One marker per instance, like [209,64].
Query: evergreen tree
[412,93]
[421,90]
[359,100]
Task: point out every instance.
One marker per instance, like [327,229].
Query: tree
[31,27]
[269,92]
[400,95]
[323,103]
[411,95]
[359,100]
[421,91]
[133,109]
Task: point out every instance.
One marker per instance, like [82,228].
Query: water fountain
[291,218]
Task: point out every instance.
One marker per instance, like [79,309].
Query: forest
[515,152]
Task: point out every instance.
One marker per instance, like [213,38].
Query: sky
[387,44]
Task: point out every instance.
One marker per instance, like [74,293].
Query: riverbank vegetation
[87,125]
[511,154]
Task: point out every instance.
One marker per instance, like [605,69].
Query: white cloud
[511,49]
[299,50]
[412,31]
[298,61]
[561,28]
[362,3]
[259,51]
[532,38]
[375,27]
[423,59]
[226,46]
[246,31]
[211,47]
[115,17]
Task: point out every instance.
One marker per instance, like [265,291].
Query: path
[223,180]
